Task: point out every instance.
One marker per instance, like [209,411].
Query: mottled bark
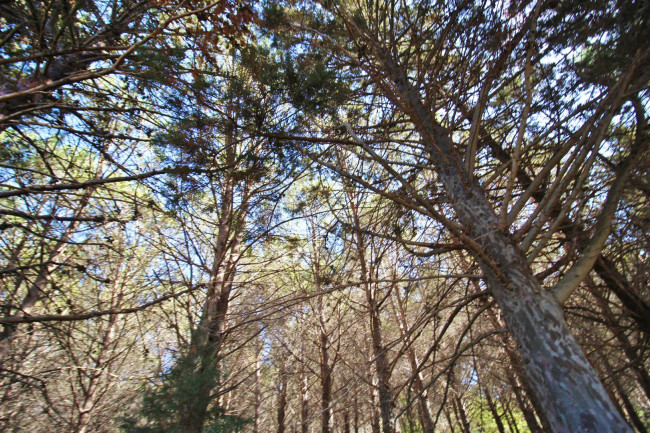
[528,403]
[568,387]
[635,305]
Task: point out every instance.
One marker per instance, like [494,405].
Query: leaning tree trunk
[637,307]
[568,387]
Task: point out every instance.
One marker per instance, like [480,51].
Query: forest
[334,216]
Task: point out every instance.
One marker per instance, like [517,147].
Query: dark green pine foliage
[608,36]
[306,76]
[167,407]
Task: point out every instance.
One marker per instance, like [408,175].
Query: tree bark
[635,305]
[494,411]
[304,404]
[567,386]
[208,337]
[325,381]
[282,397]
[379,351]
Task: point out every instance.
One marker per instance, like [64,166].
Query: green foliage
[181,397]
[311,85]
[305,75]
[607,35]
[274,16]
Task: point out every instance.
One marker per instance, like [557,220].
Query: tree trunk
[494,411]
[257,387]
[346,421]
[375,422]
[528,412]
[208,337]
[379,351]
[635,305]
[326,383]
[461,415]
[356,415]
[518,375]
[282,397]
[304,404]
[627,404]
[566,384]
[424,413]
[101,365]
[512,422]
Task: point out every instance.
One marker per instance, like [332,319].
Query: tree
[413,63]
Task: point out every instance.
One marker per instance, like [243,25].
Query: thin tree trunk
[627,404]
[356,414]
[461,415]
[379,351]
[326,382]
[424,413]
[636,363]
[512,422]
[101,364]
[282,397]
[375,420]
[346,421]
[304,404]
[257,387]
[494,411]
